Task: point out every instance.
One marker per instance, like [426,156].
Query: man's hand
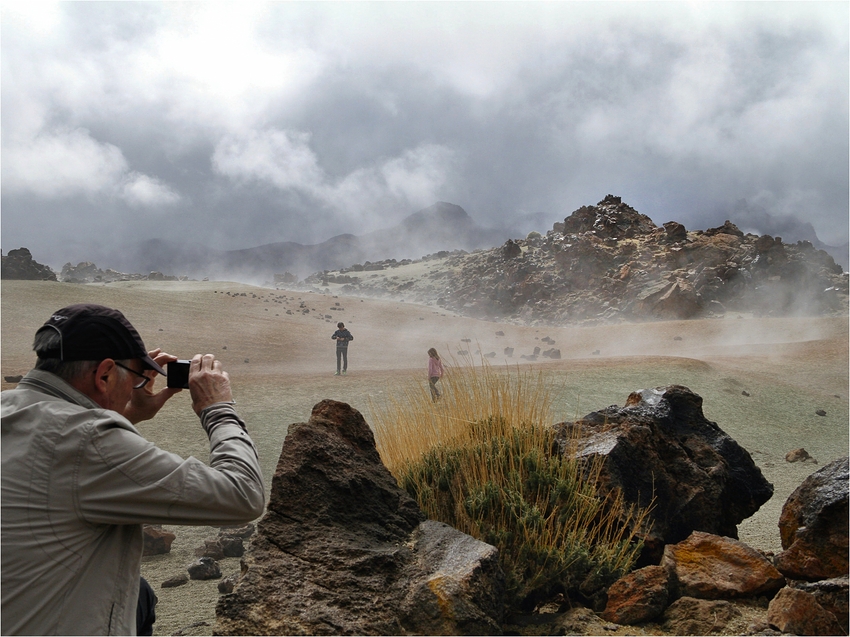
[208,383]
[144,404]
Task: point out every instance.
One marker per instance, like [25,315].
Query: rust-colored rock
[640,596]
[157,541]
[708,566]
[798,613]
[814,526]
[833,594]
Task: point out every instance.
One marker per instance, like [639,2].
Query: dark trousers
[342,355]
[145,609]
[432,383]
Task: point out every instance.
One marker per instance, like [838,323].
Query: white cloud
[140,190]
[71,163]
[285,160]
[281,158]
[62,164]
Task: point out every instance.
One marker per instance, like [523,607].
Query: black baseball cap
[91,332]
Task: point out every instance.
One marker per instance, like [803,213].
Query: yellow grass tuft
[485,460]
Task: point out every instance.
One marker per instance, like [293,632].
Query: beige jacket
[78,481]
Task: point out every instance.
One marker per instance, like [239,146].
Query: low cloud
[62,164]
[285,160]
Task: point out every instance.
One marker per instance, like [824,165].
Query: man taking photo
[78,480]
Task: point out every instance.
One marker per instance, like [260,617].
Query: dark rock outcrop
[610,218]
[19,264]
[343,550]
[610,263]
[661,452]
[814,526]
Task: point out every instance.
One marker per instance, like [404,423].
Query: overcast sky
[237,125]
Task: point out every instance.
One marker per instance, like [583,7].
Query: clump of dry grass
[484,459]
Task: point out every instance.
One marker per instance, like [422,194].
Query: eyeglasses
[141,383]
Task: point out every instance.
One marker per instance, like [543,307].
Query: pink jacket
[435,367]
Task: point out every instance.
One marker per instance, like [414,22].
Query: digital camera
[178,374]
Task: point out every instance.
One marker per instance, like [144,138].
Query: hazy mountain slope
[443,226]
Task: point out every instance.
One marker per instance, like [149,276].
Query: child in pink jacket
[435,372]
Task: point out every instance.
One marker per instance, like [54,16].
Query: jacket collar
[51,384]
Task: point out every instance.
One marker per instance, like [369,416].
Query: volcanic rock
[640,596]
[797,455]
[157,541]
[660,451]
[204,568]
[690,616]
[19,264]
[708,566]
[833,595]
[798,613]
[343,550]
[814,525]
[610,263]
[675,231]
[609,218]
[511,249]
[174,582]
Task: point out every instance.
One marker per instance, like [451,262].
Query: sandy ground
[282,364]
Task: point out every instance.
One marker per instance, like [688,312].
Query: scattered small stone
[745,393]
[204,568]
[509,352]
[820,412]
[500,333]
[797,455]
[247,360]
[596,352]
[227,584]
[677,338]
[174,582]
[13,379]
[224,347]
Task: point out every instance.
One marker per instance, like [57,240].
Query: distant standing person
[342,336]
[435,373]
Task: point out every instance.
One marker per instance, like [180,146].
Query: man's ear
[104,370]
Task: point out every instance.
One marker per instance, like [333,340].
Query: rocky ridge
[610,263]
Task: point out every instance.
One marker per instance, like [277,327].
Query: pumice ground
[762,380]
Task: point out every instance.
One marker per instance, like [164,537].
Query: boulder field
[343,550]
